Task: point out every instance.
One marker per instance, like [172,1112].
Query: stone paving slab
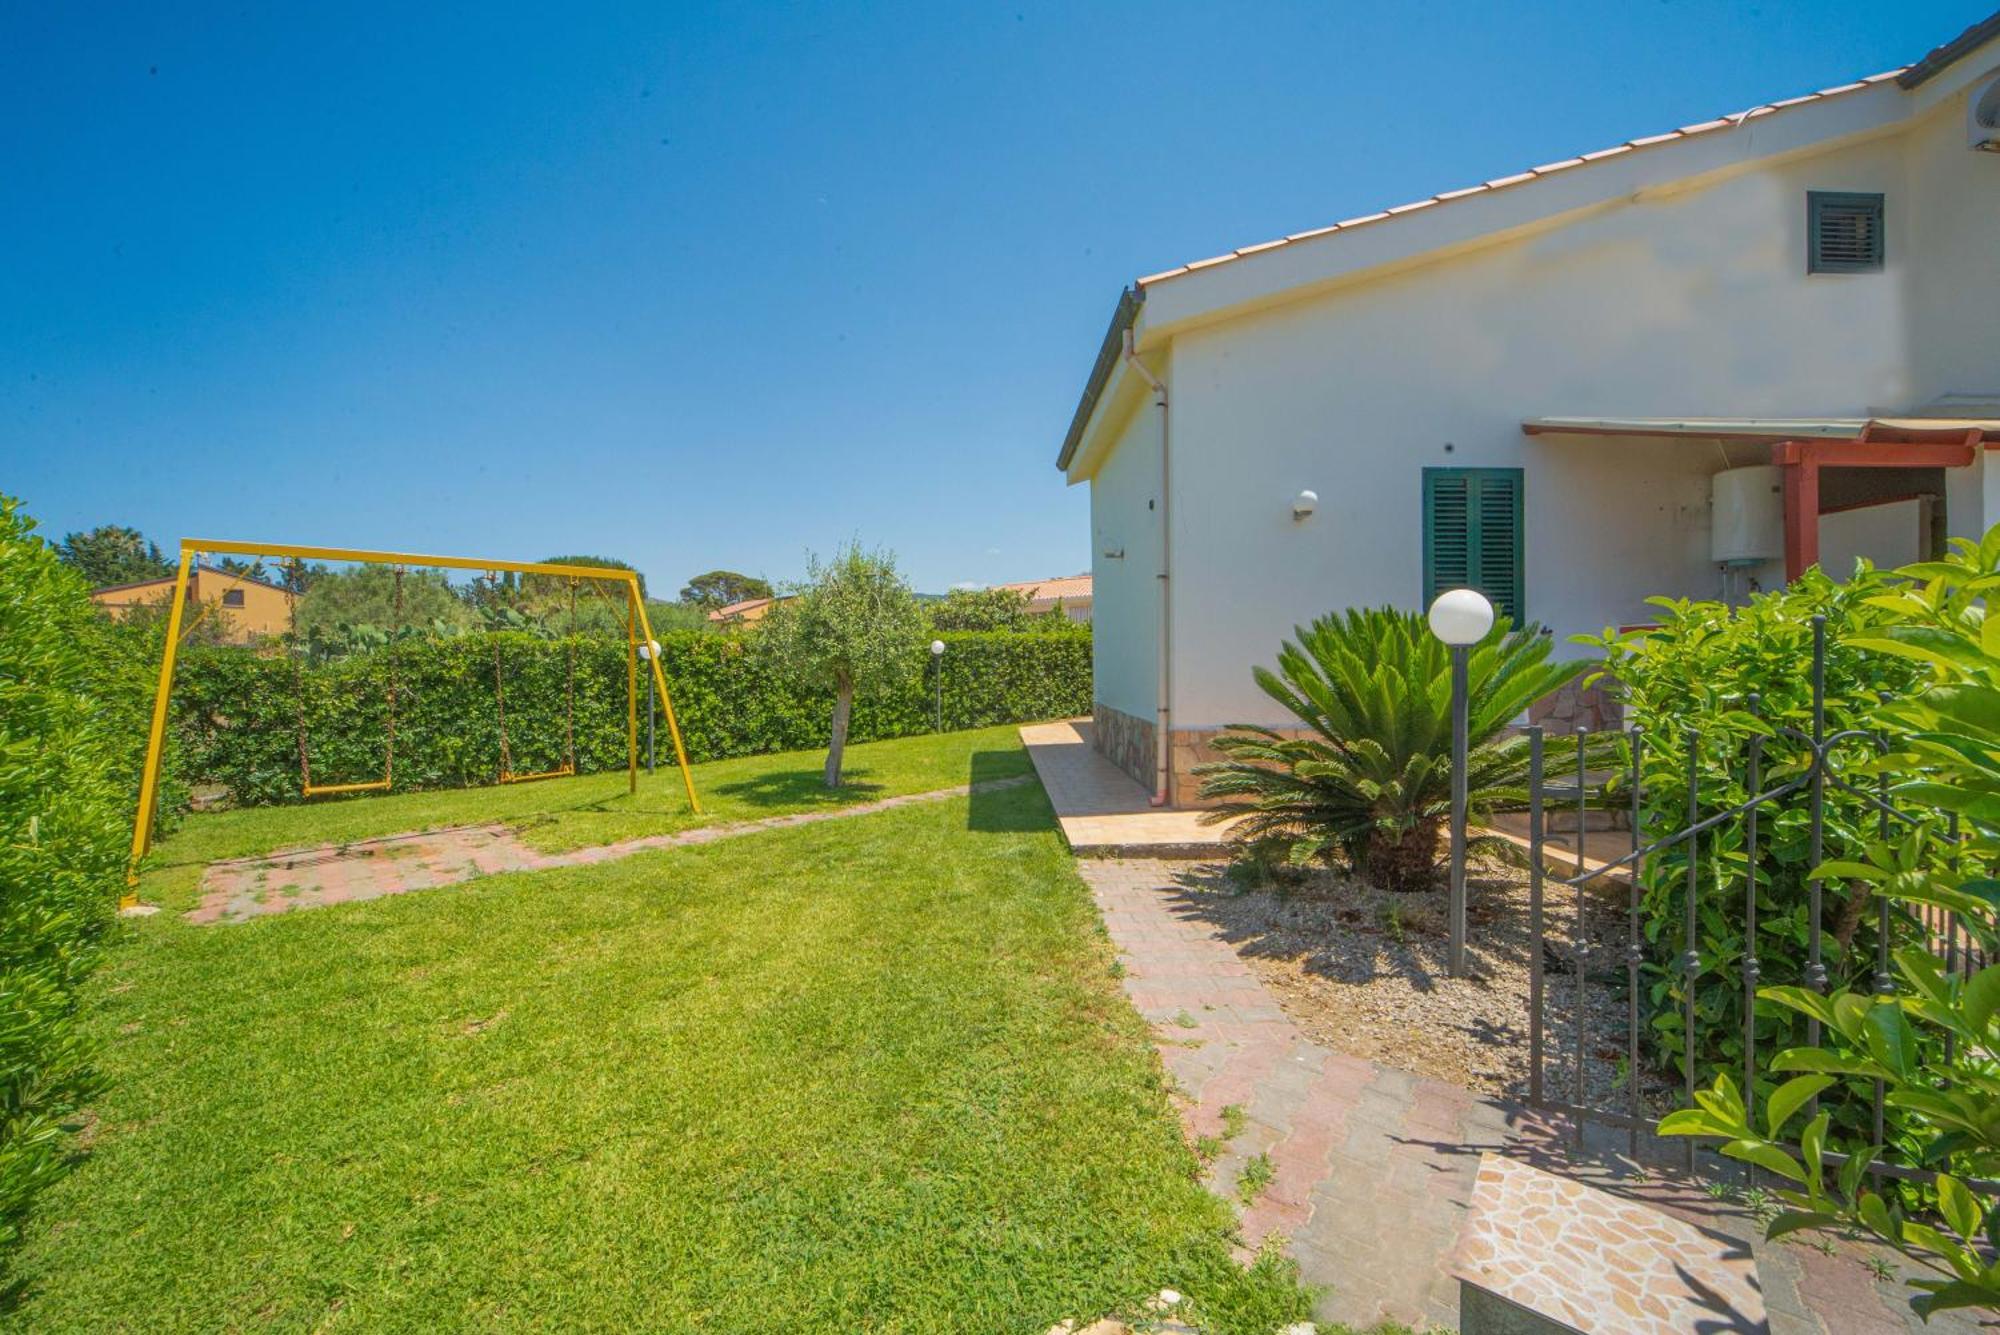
[1102,810]
[1373,1169]
[245,888]
[1600,1264]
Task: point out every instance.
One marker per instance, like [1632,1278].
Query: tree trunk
[1406,860]
[843,705]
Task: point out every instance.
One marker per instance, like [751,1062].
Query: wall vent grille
[1844,232]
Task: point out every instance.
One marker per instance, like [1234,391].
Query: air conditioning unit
[1982,118]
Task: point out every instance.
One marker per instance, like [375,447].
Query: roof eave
[1122,320]
[1978,35]
[1218,289]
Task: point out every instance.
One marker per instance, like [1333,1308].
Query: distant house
[249,610]
[1693,364]
[750,609]
[1071,593]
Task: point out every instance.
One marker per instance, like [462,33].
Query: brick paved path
[369,869]
[1373,1167]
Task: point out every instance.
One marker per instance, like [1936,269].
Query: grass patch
[866,1075]
[556,815]
[1256,1176]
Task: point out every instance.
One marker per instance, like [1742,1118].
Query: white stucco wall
[1125,597]
[1950,220]
[1888,535]
[1689,301]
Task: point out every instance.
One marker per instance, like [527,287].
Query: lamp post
[648,651]
[1461,618]
[937,678]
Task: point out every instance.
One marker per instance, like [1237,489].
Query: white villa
[1546,387]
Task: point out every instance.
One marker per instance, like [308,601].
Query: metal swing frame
[637,630]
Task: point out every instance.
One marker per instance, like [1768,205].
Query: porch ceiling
[1772,429]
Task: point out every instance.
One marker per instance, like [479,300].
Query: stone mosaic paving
[1601,1264]
[1373,1169]
[247,888]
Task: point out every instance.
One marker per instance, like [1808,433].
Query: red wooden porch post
[1801,482]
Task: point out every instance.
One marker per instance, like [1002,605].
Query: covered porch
[1900,483]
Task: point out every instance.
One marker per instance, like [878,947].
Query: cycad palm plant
[1371,775]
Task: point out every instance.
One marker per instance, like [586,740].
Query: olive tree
[854,625]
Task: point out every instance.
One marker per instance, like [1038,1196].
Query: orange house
[249,609]
[1070,593]
[749,610]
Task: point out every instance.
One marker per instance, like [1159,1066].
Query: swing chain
[298,666]
[395,633]
[499,685]
[569,685]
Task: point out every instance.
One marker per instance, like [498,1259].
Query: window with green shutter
[1472,535]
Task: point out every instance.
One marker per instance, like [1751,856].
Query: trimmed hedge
[64,826]
[236,713]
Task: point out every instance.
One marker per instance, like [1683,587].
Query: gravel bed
[1363,971]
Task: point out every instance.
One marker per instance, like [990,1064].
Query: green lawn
[556,815]
[867,1075]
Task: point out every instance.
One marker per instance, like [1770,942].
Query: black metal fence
[1817,763]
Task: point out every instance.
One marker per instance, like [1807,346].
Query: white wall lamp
[1303,506]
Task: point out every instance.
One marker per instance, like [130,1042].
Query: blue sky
[712,286]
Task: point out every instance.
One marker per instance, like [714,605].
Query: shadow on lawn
[799,788]
[1017,808]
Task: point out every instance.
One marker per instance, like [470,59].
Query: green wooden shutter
[1472,535]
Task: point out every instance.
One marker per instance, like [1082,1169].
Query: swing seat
[560,772]
[324,789]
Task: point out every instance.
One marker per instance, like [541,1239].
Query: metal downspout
[1163,787]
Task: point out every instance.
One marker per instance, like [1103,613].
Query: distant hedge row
[236,713]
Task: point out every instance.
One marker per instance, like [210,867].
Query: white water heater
[1749,516]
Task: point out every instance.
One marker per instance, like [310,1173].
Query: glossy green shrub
[1696,673]
[64,827]
[1927,1035]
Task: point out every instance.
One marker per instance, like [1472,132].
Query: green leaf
[1788,1098]
[1813,1145]
[1853,1171]
[1695,1122]
[1830,1063]
[1925,1238]
[1982,997]
[1767,1156]
[1876,1216]
[1956,1295]
[1792,1221]
[1959,1206]
[1849,871]
[1890,1039]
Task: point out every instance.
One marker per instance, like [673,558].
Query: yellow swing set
[636,627]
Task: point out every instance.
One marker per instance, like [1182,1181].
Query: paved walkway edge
[243,888]
[1372,1169]
[1105,812]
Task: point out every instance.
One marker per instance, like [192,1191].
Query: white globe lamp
[937,681]
[1461,617]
